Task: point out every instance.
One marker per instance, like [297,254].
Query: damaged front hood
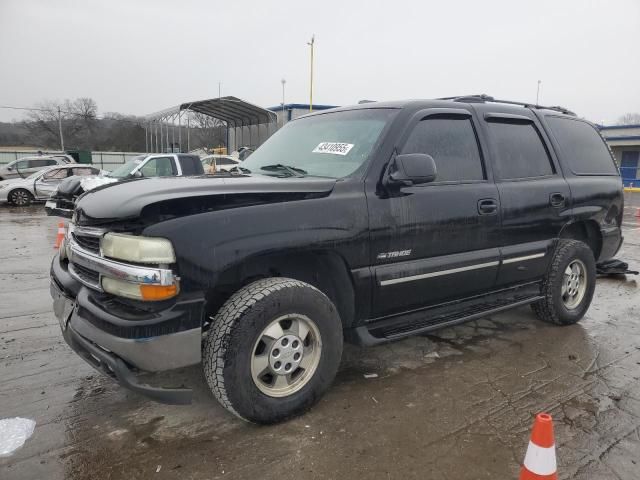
[74,186]
[178,196]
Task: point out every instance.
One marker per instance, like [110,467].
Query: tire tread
[222,323]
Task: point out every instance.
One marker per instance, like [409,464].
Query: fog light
[138,291]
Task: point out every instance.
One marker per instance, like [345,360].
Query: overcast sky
[140,56]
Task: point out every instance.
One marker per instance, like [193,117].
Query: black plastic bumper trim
[114,367]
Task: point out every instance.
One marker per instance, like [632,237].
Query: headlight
[137,249]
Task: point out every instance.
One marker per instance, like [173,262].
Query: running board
[368,335]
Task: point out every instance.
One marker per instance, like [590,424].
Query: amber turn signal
[158,292]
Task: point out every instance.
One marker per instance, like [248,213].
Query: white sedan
[38,186]
[218,163]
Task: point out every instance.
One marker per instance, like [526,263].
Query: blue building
[624,141]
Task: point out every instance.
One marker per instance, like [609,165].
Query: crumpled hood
[177,196]
[73,186]
[90,182]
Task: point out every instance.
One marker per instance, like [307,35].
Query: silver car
[23,167]
[41,184]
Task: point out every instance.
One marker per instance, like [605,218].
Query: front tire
[273,349]
[569,285]
[20,197]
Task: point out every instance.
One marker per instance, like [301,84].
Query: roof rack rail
[482,98]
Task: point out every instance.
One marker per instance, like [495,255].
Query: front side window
[518,150]
[453,145]
[158,167]
[581,147]
[332,145]
[125,170]
[55,174]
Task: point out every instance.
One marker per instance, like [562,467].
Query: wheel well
[325,270]
[587,232]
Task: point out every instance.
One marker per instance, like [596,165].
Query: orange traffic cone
[62,232]
[540,460]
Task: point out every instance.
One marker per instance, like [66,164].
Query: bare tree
[43,123]
[78,119]
[206,131]
[629,119]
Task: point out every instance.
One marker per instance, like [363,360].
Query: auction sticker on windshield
[335,148]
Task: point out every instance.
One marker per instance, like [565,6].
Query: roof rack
[482,98]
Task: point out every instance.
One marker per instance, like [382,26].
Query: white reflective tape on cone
[540,460]
[61,231]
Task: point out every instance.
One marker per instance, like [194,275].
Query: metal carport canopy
[231,110]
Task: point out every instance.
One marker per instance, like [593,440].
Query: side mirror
[136,174]
[412,169]
[9,168]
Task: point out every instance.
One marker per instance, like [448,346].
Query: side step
[368,335]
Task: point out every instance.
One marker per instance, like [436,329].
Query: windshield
[330,145]
[125,170]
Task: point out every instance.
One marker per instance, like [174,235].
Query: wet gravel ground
[456,404]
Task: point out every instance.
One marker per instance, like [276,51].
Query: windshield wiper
[293,171]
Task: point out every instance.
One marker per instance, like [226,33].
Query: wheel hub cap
[286,355]
[574,284]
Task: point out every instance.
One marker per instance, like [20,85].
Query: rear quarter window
[581,147]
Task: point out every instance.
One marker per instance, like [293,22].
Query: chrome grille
[88,242]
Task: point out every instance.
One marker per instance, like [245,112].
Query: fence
[104,160]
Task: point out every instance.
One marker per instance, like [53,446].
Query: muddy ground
[453,405]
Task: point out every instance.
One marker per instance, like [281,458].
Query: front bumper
[53,209]
[120,345]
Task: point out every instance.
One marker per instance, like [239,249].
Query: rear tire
[273,350]
[569,284]
[20,197]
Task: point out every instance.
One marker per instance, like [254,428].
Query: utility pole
[219,89]
[538,93]
[60,129]
[283,82]
[313,37]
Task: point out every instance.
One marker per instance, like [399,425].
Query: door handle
[556,200]
[487,206]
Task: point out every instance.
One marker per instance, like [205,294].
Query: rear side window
[191,165]
[519,151]
[453,145]
[84,171]
[226,161]
[581,147]
[40,163]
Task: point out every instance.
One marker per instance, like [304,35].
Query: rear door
[438,241]
[534,196]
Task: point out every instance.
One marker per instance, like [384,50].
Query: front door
[45,185]
[438,241]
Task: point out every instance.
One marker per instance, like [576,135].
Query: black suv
[366,223]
